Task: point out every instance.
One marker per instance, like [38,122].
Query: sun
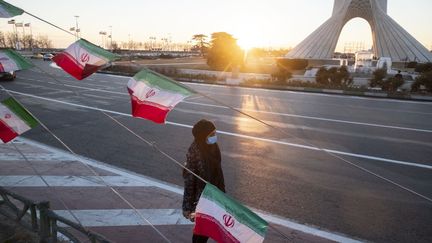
[246,44]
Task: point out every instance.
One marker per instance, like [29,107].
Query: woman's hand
[186,214]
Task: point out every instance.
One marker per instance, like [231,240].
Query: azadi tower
[389,38]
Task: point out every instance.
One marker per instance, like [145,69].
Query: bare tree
[2,40]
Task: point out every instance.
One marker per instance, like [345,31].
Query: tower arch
[389,38]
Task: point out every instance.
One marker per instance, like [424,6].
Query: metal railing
[47,226]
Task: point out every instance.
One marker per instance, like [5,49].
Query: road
[358,166]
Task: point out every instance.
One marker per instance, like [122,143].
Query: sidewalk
[73,186]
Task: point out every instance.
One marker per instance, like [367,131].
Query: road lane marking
[179,190]
[317,118]
[68,181]
[272,113]
[314,94]
[362,156]
[126,217]
[289,91]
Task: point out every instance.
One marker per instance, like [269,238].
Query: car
[37,56]
[8,75]
[48,57]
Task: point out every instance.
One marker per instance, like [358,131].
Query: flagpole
[56,26]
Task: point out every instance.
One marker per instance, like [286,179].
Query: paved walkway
[74,188]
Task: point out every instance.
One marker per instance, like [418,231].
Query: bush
[322,76]
[424,79]
[292,64]
[378,77]
[334,77]
[424,67]
[281,76]
[411,65]
[392,84]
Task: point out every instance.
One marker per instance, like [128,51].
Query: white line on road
[316,118]
[125,217]
[68,181]
[362,156]
[314,94]
[271,113]
[178,190]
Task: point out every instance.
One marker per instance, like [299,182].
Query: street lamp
[76,26]
[110,36]
[103,34]
[31,34]
[12,22]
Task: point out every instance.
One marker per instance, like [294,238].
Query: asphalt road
[281,173]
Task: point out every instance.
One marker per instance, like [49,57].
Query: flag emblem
[14,120]
[228,220]
[153,95]
[85,57]
[82,59]
[223,219]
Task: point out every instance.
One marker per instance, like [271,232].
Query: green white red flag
[223,219]
[12,61]
[8,10]
[14,120]
[82,58]
[153,95]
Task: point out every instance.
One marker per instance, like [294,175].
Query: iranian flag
[154,95]
[14,120]
[12,61]
[82,58]
[223,219]
[8,10]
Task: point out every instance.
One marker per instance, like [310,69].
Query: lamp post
[76,27]
[31,34]
[110,36]
[103,34]
[12,22]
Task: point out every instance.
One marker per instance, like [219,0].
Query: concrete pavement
[75,189]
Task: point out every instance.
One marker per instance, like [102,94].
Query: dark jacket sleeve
[190,182]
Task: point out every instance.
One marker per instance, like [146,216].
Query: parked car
[37,56]
[48,57]
[8,75]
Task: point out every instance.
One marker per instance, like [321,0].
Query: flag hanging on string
[153,95]
[14,120]
[225,220]
[8,10]
[10,61]
[82,58]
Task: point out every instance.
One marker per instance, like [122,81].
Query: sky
[269,23]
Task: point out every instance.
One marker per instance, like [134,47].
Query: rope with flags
[150,93]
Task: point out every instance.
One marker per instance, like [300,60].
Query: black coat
[205,164]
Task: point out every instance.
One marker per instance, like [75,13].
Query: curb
[399,96]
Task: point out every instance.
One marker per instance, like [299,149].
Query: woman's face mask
[212,138]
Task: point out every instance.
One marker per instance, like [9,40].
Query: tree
[424,79]
[2,40]
[281,76]
[43,42]
[378,77]
[322,76]
[423,67]
[201,43]
[224,53]
[335,76]
[344,76]
[293,64]
[392,84]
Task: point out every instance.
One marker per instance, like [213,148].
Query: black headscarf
[210,153]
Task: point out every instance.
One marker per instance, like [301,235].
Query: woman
[204,159]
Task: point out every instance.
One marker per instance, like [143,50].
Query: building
[389,38]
